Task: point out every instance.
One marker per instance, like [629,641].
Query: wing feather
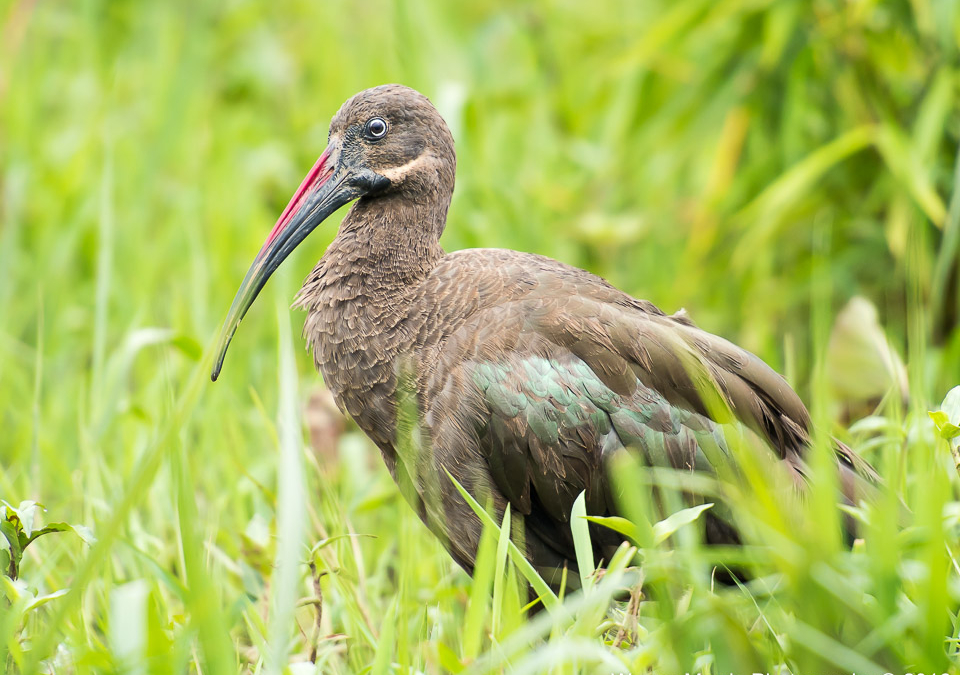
[549,371]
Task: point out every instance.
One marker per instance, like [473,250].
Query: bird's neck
[385,247]
[392,241]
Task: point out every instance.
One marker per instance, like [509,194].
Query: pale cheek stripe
[399,172]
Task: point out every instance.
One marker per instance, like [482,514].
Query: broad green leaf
[951,405]
[947,419]
[27,512]
[946,428]
[499,576]
[85,534]
[861,364]
[82,531]
[44,599]
[663,529]
[939,418]
[617,524]
[579,527]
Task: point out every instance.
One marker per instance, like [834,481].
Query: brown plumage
[528,374]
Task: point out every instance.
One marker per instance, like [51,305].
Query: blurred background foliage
[758,162]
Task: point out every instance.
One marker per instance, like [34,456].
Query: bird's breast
[357,343]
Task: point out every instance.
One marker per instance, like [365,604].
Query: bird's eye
[376,128]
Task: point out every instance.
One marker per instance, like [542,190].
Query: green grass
[757,162]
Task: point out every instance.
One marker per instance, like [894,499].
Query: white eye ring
[376,128]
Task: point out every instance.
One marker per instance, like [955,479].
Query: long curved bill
[322,192]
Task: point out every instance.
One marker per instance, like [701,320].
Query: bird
[528,375]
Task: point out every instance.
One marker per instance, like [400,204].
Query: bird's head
[384,141]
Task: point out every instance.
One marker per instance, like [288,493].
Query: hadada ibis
[529,375]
